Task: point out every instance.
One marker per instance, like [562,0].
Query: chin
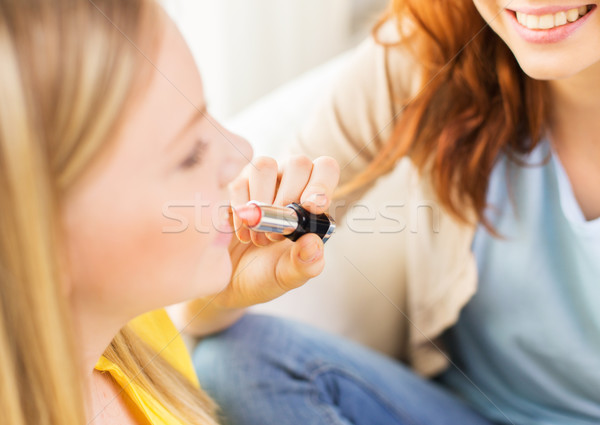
[545,74]
[543,68]
[214,276]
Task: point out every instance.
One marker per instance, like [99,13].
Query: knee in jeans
[251,337]
[254,332]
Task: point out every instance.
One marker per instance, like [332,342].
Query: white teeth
[546,22]
[532,22]
[549,21]
[572,15]
[560,19]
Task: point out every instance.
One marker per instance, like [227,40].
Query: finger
[304,261]
[275,237]
[239,194]
[263,179]
[295,175]
[262,186]
[324,178]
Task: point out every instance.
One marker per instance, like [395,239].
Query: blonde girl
[104,142]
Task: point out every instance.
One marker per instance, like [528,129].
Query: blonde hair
[69,69]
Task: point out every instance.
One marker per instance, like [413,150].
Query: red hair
[475,103]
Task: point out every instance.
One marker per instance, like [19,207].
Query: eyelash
[195,157]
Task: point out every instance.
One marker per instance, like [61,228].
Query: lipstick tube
[291,221]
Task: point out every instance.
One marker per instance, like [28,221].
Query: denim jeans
[272,371]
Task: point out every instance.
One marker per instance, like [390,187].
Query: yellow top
[156,329]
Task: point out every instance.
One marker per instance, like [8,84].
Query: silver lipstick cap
[274,219]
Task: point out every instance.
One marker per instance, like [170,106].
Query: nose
[237,155]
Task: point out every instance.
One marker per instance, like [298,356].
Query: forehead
[173,95]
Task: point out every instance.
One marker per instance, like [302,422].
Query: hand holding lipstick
[292,221]
[266,265]
[299,194]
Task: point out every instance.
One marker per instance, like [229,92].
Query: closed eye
[195,157]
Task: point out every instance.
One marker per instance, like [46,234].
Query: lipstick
[291,221]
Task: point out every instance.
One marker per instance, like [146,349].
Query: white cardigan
[399,268]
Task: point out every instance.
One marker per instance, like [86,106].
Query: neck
[95,331]
[575,114]
[574,130]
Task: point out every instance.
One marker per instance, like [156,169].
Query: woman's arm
[201,317]
[351,123]
[358,115]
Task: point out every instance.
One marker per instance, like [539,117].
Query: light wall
[246,48]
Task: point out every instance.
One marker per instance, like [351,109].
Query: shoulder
[158,331]
[383,75]
[393,44]
[357,114]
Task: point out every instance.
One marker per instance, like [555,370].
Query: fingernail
[318,199]
[274,237]
[310,253]
[244,237]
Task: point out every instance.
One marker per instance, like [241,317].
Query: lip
[224,235]
[547,10]
[553,35]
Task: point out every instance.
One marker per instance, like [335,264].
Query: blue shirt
[529,340]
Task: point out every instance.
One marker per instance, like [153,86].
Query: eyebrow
[198,114]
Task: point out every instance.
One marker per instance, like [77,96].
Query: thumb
[304,261]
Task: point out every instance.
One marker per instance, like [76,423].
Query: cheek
[186,264]
[125,259]
[488,9]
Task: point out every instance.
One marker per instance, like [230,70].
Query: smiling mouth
[552,20]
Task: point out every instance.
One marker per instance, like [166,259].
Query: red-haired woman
[490,107]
